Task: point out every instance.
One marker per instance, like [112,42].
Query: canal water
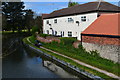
[18,62]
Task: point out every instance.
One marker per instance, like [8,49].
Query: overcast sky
[47,6]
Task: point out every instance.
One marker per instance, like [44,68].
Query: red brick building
[103,35]
[104,31]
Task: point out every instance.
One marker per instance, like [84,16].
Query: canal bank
[62,62]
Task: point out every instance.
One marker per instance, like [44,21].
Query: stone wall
[110,52]
[108,47]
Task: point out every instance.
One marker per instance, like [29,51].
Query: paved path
[82,63]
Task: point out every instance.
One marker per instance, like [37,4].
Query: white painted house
[70,22]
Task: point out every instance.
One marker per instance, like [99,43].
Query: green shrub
[32,39]
[34,30]
[68,40]
[44,35]
[95,53]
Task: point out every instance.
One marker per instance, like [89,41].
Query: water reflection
[58,70]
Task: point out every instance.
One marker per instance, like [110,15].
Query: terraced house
[70,22]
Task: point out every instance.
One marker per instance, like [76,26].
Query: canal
[19,62]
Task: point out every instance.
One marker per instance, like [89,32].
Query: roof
[44,15]
[87,7]
[106,24]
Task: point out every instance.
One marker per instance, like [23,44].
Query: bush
[68,40]
[44,35]
[32,39]
[95,53]
[34,30]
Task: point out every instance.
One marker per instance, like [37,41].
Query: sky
[48,6]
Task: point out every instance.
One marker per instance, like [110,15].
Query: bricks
[101,40]
[48,39]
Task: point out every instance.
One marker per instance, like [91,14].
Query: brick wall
[101,40]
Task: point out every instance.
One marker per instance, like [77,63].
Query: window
[55,21]
[47,22]
[70,20]
[55,32]
[69,33]
[83,18]
[62,33]
[47,31]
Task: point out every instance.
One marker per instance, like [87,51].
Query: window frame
[70,33]
[83,18]
[55,20]
[55,33]
[70,20]
[47,22]
[47,31]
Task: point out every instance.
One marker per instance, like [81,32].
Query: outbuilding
[103,35]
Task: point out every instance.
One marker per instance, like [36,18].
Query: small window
[70,20]
[55,32]
[55,21]
[47,22]
[69,33]
[47,31]
[63,33]
[83,18]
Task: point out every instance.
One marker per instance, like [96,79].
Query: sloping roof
[44,15]
[106,24]
[87,7]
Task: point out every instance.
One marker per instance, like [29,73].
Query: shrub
[34,29]
[68,40]
[44,35]
[32,39]
[95,53]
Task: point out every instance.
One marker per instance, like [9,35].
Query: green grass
[14,31]
[82,55]
[70,61]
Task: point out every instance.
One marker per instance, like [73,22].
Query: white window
[83,18]
[69,33]
[70,20]
[55,21]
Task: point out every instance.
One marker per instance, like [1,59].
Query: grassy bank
[92,58]
[68,60]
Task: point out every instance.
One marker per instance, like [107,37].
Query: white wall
[63,24]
